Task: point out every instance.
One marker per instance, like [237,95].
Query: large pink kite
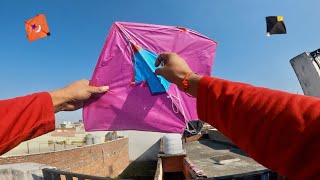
[138,99]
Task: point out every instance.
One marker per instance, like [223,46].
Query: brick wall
[107,159]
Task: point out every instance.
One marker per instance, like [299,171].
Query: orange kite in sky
[37,27]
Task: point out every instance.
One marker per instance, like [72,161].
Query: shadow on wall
[150,154]
[36,177]
[140,144]
[144,167]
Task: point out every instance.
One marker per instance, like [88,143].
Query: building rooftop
[219,159]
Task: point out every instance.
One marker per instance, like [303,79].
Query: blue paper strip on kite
[145,71]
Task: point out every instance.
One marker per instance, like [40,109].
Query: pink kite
[138,99]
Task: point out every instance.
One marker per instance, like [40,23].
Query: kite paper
[275,25]
[37,27]
[138,99]
[145,69]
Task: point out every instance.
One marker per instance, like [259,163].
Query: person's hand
[71,97]
[175,69]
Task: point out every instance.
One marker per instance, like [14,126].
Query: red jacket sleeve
[24,118]
[278,129]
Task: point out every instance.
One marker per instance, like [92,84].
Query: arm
[277,129]
[27,117]
[24,118]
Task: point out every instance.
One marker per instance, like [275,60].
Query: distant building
[66,124]
[79,126]
[63,132]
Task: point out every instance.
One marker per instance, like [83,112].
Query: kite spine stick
[133,80]
[129,39]
[125,33]
[200,35]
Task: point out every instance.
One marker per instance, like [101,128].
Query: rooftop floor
[219,159]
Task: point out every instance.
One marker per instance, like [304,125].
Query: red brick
[91,160]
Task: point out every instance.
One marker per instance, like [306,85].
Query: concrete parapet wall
[23,171]
[107,159]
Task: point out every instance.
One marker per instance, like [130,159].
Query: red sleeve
[278,129]
[24,118]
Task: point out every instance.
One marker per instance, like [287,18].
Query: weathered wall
[106,159]
[23,171]
[143,146]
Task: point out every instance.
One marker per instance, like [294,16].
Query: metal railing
[55,174]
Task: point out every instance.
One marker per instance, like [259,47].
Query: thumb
[160,71]
[100,89]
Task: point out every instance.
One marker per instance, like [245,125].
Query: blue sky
[79,29]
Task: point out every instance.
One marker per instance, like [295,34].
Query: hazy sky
[79,29]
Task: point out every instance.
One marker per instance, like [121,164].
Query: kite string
[182,109]
[174,106]
[183,112]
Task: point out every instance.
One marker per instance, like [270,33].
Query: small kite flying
[138,99]
[37,28]
[275,25]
